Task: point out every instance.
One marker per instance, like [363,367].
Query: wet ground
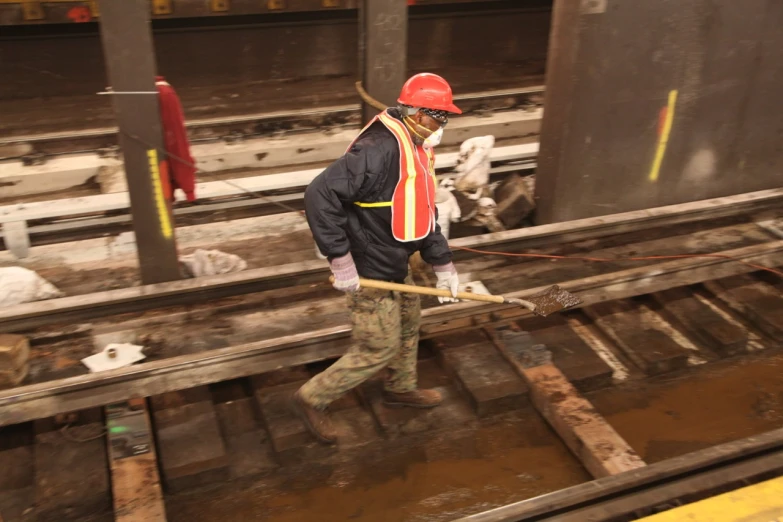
[514,458]
[720,402]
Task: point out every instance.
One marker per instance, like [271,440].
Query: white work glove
[346,278]
[448,279]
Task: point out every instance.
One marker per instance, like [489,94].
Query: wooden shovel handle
[423,290]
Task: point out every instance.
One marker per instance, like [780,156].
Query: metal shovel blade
[553,299]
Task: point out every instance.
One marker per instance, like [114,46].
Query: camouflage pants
[385,335]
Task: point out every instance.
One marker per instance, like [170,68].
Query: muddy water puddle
[507,459]
[453,475]
[716,403]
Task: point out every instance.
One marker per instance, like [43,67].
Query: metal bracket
[219,6]
[161,7]
[275,5]
[33,10]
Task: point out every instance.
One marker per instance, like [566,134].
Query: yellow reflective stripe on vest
[373,205]
[410,184]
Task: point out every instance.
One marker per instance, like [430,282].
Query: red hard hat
[428,91]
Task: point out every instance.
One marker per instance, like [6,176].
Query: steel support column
[383,48]
[130,61]
[677,112]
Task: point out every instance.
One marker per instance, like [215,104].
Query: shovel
[551,300]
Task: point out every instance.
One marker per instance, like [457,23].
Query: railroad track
[88,217]
[34,148]
[655,489]
[230,349]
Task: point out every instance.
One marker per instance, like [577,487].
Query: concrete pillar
[383,48]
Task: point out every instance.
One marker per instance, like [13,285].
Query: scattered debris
[473,165]
[111,177]
[495,206]
[114,356]
[19,285]
[211,262]
[515,201]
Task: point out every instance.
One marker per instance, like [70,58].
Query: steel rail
[90,306]
[50,398]
[73,229]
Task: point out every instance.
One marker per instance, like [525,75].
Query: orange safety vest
[413,202]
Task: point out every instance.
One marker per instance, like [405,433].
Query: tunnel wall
[508,43]
[620,72]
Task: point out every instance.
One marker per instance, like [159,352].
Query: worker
[178,170]
[369,212]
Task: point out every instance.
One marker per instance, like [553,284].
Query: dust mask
[433,140]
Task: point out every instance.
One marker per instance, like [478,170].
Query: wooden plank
[18,470]
[176,373]
[292,441]
[247,442]
[638,332]
[483,375]
[578,362]
[760,303]
[452,414]
[586,433]
[14,360]
[701,322]
[132,459]
[70,468]
[192,452]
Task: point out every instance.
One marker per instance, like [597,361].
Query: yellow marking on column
[160,200]
[757,503]
[663,139]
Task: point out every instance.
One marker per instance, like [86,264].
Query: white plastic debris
[473,164]
[19,285]
[448,210]
[212,262]
[114,356]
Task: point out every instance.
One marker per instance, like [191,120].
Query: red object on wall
[79,14]
[181,165]
[411,2]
